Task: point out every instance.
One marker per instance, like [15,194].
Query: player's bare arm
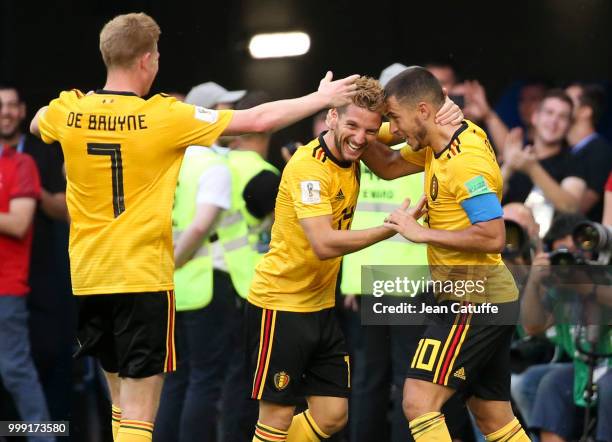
[275,115]
[387,163]
[327,242]
[34,124]
[487,236]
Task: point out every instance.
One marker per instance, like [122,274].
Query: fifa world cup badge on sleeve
[311,192]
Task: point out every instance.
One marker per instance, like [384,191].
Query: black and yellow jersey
[464,169]
[122,155]
[290,276]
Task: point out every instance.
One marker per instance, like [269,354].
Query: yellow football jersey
[290,277]
[122,155]
[466,168]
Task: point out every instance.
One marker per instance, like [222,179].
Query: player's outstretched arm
[387,163]
[485,237]
[328,242]
[275,115]
[34,130]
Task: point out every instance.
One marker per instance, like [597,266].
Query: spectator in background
[49,301]
[543,176]
[19,191]
[607,210]
[477,108]
[255,184]
[550,300]
[446,74]
[589,149]
[190,397]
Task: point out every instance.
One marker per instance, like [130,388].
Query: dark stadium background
[50,46]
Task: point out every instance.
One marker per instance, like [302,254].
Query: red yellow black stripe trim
[266,339]
[451,348]
[170,361]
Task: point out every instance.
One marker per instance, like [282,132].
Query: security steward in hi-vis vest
[239,232]
[194,281]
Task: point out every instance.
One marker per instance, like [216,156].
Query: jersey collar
[343,164]
[458,132]
[107,92]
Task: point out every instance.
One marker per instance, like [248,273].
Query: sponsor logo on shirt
[207,115]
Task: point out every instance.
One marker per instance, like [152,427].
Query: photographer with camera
[560,295]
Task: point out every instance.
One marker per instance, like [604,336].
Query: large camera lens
[592,237]
[516,239]
[563,257]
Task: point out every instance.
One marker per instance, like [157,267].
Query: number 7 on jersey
[114,152]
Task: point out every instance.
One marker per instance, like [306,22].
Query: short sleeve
[53,118]
[27,181]
[196,125]
[413,157]
[470,175]
[309,187]
[215,187]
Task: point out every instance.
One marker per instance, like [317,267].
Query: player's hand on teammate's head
[337,93]
[449,113]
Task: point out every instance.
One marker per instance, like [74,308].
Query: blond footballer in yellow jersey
[291,276]
[122,155]
[295,344]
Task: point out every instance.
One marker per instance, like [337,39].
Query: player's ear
[145,60]
[332,118]
[424,111]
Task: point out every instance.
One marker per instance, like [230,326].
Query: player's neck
[441,136]
[123,81]
[331,144]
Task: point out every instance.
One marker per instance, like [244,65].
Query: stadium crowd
[556,167]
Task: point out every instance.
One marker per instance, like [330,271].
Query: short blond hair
[126,37]
[370,95]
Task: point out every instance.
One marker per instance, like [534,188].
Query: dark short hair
[252,99]
[4,85]
[415,84]
[562,225]
[558,94]
[593,96]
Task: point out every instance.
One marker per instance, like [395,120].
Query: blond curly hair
[370,95]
